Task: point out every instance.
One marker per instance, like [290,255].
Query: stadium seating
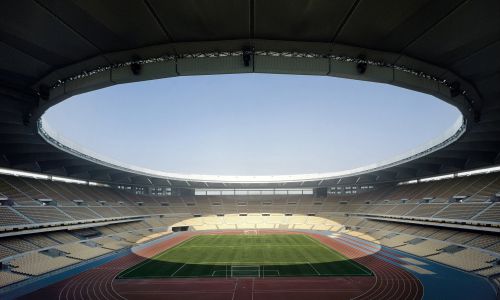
[9,217]
[43,214]
[467,259]
[7,278]
[36,264]
[365,216]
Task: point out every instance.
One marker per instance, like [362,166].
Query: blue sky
[251,124]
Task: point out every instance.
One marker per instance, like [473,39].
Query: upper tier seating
[13,193]
[492,213]
[40,240]
[44,214]
[80,213]
[10,217]
[467,259]
[461,211]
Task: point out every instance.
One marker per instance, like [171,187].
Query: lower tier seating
[36,263]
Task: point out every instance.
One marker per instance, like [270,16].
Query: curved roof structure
[53,50]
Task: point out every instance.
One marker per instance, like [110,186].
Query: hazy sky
[251,124]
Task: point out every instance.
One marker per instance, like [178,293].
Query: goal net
[245,271]
[251,232]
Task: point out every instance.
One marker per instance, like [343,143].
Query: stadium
[75,224]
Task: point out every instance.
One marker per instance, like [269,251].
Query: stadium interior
[424,226]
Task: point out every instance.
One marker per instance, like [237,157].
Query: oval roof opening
[251,124]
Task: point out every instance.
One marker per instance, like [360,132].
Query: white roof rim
[65,144]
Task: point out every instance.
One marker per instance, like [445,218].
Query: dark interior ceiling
[42,37]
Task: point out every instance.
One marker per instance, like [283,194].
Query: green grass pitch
[231,255]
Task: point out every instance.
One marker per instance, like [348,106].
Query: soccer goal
[245,271]
[251,232]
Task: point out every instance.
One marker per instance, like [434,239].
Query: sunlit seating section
[211,220]
[210,227]
[36,263]
[80,213]
[425,248]
[245,226]
[228,219]
[334,226]
[491,214]
[467,259]
[363,234]
[7,278]
[302,226]
[462,211]
[275,219]
[198,221]
[43,214]
[9,217]
[263,225]
[226,226]
[296,219]
[81,251]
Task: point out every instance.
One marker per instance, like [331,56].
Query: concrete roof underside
[44,43]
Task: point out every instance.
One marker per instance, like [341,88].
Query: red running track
[388,282]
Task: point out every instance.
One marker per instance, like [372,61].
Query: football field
[237,255]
